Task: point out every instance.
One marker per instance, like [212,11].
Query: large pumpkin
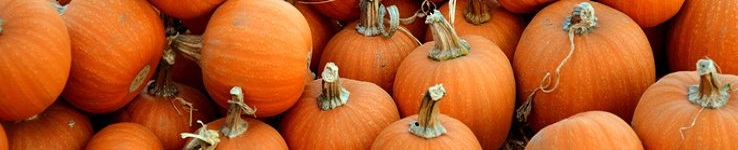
[704,28]
[122,136]
[186,9]
[524,6]
[35,57]
[116,46]
[365,51]
[647,13]
[689,110]
[338,113]
[476,73]
[58,127]
[429,129]
[587,130]
[576,61]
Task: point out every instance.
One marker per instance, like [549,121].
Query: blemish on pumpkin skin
[121,18]
[71,123]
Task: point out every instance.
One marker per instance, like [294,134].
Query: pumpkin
[341,10]
[235,132]
[482,17]
[58,127]
[365,51]
[408,9]
[168,108]
[524,6]
[35,57]
[3,139]
[586,130]
[647,13]
[187,72]
[689,110]
[187,9]
[429,129]
[125,135]
[321,30]
[351,112]
[704,28]
[461,63]
[116,46]
[597,59]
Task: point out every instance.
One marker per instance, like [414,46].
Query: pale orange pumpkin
[587,130]
[647,13]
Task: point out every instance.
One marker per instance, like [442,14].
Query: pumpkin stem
[372,19]
[60,9]
[477,12]
[582,19]
[710,93]
[448,44]
[234,125]
[428,124]
[163,85]
[333,95]
[205,139]
[1,25]
[188,45]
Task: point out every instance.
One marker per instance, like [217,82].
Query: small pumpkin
[35,57]
[647,13]
[429,129]
[338,113]
[186,9]
[524,6]
[58,127]
[116,46]
[689,110]
[477,74]
[586,130]
[235,132]
[341,10]
[122,136]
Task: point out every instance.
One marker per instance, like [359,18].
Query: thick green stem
[428,124]
[477,12]
[234,125]
[333,95]
[448,44]
[582,19]
[710,93]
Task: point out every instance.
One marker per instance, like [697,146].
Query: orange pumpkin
[647,13]
[587,130]
[58,127]
[600,61]
[461,63]
[3,139]
[352,112]
[524,6]
[186,9]
[482,17]
[321,30]
[408,8]
[366,53]
[341,10]
[704,28]
[35,57]
[689,110]
[122,136]
[429,129]
[116,46]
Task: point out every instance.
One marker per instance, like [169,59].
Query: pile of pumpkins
[368,74]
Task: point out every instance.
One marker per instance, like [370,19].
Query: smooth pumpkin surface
[587,130]
[396,136]
[35,57]
[647,13]
[186,9]
[58,127]
[258,136]
[122,136]
[524,6]
[116,46]
[321,30]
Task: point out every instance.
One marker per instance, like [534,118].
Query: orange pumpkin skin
[187,72]
[258,136]
[609,69]
[587,130]
[186,9]
[704,28]
[341,10]
[647,13]
[3,139]
[396,136]
[321,30]
[657,129]
[524,6]
[58,127]
[272,60]
[487,109]
[116,46]
[408,8]
[125,135]
[369,107]
[35,58]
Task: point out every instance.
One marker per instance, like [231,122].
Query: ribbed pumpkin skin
[609,70]
[524,6]
[3,139]
[704,28]
[503,28]
[408,8]
[321,30]
[160,115]
[664,109]
[341,10]
[259,136]
[35,58]
[271,40]
[647,13]
[371,59]
[587,130]
[58,127]
[480,88]
[122,136]
[396,136]
[186,9]
[354,125]
[112,42]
